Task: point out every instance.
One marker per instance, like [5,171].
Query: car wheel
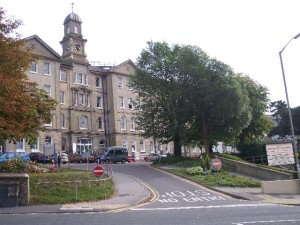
[107,161]
[123,161]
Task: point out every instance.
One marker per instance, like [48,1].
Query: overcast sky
[245,34]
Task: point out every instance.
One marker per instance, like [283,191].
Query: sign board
[98,171]
[216,164]
[280,154]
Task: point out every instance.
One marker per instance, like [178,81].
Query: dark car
[7,156]
[39,157]
[79,158]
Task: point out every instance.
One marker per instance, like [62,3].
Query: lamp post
[289,109]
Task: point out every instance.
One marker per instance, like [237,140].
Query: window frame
[47,68]
[83,120]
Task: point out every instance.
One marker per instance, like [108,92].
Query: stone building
[95,104]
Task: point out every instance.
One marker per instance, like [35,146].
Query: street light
[289,110]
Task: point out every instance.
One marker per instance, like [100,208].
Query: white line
[266,221]
[203,207]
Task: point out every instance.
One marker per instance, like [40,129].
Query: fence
[73,190]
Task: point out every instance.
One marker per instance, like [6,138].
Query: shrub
[194,170]
[21,166]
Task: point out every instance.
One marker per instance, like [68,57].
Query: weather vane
[72,5]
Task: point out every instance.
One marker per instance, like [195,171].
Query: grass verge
[68,186]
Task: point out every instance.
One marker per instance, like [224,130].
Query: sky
[245,34]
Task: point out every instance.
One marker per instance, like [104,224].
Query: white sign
[280,154]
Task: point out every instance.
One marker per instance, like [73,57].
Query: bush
[253,149]
[21,166]
[194,170]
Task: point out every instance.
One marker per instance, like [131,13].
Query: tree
[24,107]
[186,95]
[259,125]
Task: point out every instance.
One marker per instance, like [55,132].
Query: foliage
[259,125]
[67,187]
[185,96]
[24,107]
[194,170]
[230,156]
[205,162]
[253,149]
[189,162]
[225,179]
[169,160]
[22,166]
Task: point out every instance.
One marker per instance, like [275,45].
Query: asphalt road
[177,203]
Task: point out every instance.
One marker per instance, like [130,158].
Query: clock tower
[73,43]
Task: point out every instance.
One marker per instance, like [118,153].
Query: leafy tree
[259,125]
[186,96]
[24,108]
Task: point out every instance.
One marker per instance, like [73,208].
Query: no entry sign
[216,164]
[98,171]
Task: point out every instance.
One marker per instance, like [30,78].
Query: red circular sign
[98,171]
[216,164]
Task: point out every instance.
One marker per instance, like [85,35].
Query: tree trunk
[177,146]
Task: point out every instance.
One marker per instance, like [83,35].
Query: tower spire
[72,5]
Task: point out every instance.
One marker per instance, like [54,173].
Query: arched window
[123,123]
[76,29]
[132,126]
[83,122]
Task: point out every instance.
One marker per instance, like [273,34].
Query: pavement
[132,192]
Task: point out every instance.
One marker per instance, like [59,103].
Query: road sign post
[216,164]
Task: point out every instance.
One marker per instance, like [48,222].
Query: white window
[47,89]
[132,126]
[100,124]
[99,103]
[120,82]
[47,68]
[80,78]
[62,97]
[68,29]
[20,145]
[142,147]
[35,147]
[33,67]
[62,121]
[123,123]
[83,122]
[48,123]
[98,82]
[48,140]
[130,103]
[63,75]
[76,29]
[152,150]
[122,104]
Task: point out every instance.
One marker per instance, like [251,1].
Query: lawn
[68,186]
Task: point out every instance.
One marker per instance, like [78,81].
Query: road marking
[266,221]
[203,207]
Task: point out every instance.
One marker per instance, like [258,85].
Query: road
[178,203]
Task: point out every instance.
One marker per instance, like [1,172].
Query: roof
[72,16]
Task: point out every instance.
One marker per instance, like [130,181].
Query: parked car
[79,158]
[153,156]
[39,157]
[14,156]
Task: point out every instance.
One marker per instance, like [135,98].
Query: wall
[255,171]
[22,180]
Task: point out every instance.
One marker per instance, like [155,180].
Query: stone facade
[95,105]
